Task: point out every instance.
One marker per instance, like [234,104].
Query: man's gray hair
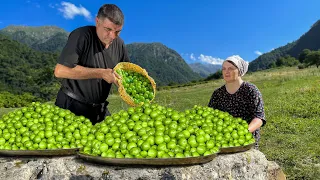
[112,12]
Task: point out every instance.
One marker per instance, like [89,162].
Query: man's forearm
[78,72]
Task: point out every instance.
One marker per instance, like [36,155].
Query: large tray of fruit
[42,129]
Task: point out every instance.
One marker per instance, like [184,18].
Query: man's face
[107,31]
[230,72]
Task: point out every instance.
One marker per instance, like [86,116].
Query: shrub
[301,66]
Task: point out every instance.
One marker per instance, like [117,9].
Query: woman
[239,98]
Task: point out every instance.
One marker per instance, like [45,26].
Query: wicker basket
[132,67]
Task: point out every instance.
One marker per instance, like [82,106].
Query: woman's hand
[255,124]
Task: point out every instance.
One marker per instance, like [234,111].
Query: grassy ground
[292,105]
[291,137]
[5,110]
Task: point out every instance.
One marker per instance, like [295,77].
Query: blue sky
[200,31]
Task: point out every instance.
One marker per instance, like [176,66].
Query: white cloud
[272,49]
[258,53]
[70,10]
[210,59]
[192,57]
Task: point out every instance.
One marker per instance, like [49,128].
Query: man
[86,65]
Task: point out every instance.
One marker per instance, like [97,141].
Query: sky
[206,31]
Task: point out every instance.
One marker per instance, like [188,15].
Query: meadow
[292,106]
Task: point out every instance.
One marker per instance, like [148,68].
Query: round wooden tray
[45,152]
[148,161]
[235,149]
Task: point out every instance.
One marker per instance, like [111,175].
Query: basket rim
[136,68]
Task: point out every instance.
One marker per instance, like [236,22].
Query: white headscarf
[241,64]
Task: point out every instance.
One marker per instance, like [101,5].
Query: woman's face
[230,72]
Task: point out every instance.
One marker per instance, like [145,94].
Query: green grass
[5,110]
[291,137]
[292,107]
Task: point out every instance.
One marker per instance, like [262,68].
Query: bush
[301,66]
[8,100]
[216,75]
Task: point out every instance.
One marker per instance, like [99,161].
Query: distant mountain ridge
[204,70]
[43,38]
[164,64]
[309,40]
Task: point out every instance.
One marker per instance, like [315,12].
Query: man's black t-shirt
[84,48]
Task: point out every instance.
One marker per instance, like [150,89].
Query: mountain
[23,69]
[43,38]
[162,63]
[309,40]
[204,70]
[264,61]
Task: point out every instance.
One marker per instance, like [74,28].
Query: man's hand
[111,76]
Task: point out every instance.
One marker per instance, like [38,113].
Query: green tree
[287,61]
[313,58]
[291,61]
[272,65]
[303,55]
[280,61]
[216,75]
[24,70]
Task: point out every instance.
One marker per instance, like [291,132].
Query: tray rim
[148,161]
[235,149]
[42,152]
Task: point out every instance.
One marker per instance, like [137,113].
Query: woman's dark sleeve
[258,105]
[212,102]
